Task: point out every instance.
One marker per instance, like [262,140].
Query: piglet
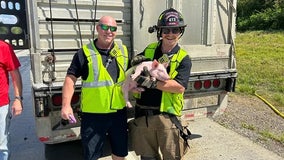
[156,70]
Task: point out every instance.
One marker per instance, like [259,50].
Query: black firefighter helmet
[169,18]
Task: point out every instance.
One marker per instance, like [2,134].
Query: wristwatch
[20,98]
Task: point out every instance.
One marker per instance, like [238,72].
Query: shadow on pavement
[194,136]
[70,150]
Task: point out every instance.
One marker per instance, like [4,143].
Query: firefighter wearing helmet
[169,18]
[157,125]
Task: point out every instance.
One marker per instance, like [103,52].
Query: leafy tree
[260,14]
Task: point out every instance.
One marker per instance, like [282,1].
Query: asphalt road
[210,141]
[24,143]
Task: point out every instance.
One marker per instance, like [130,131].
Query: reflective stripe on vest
[96,71]
[124,55]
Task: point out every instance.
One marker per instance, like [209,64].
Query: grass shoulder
[260,64]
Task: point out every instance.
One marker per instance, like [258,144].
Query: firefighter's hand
[145,79]
[139,59]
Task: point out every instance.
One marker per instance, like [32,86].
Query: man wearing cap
[157,127]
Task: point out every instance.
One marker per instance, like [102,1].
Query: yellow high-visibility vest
[99,93]
[171,103]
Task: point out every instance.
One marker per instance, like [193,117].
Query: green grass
[248,126]
[260,65]
[269,135]
[265,133]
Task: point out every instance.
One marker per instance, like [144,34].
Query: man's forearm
[68,90]
[17,82]
[170,86]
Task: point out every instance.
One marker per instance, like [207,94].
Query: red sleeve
[9,58]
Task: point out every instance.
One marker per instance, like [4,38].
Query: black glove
[145,79]
[138,59]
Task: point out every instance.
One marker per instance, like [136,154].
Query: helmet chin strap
[182,32]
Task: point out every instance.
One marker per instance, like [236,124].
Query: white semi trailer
[53,30]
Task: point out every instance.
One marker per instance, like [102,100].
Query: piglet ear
[155,64]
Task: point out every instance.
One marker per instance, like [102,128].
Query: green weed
[248,126]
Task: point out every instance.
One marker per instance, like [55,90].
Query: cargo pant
[156,134]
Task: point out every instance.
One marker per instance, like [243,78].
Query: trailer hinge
[49,71]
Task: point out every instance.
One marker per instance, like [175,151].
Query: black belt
[147,107]
[145,111]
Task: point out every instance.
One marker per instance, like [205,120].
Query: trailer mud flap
[230,84]
[64,124]
[60,125]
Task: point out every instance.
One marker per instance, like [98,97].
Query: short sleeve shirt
[153,97]
[8,62]
[79,64]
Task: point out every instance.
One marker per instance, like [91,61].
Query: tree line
[260,15]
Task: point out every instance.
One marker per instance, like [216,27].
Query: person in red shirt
[9,64]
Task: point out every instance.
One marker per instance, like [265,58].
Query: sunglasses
[173,30]
[106,27]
